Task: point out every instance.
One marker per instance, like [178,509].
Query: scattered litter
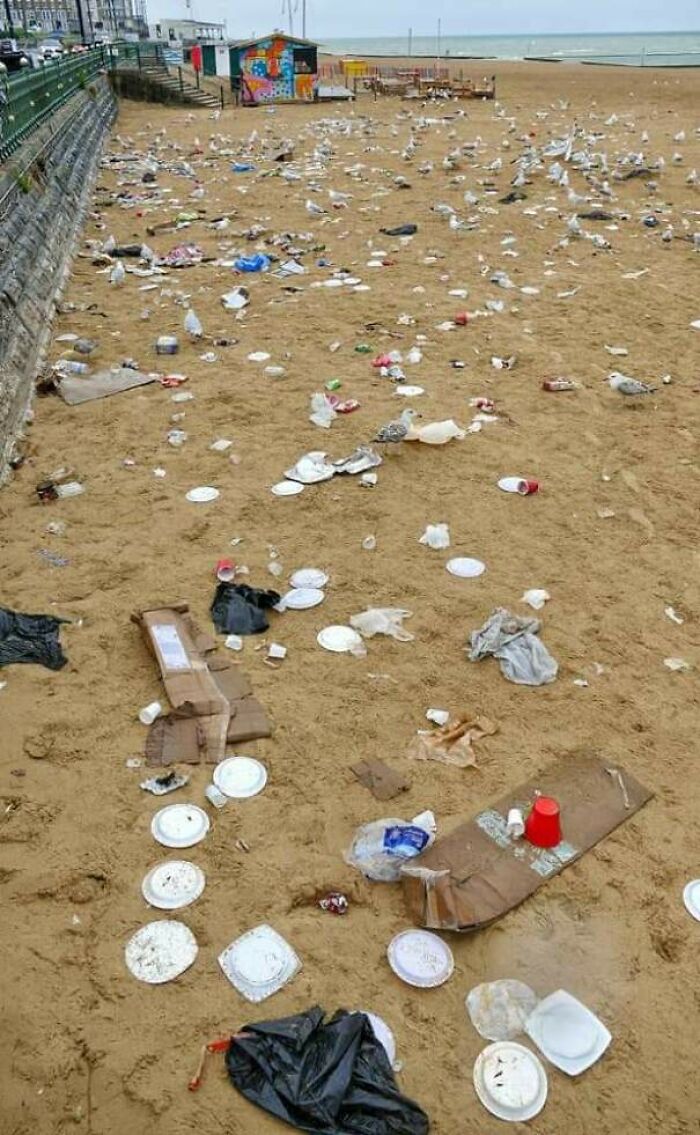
[452,742]
[498,1010]
[259,963]
[30,638]
[160,951]
[168,782]
[436,536]
[536,598]
[380,849]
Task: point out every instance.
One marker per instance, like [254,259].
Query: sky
[336,18]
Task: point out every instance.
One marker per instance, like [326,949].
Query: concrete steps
[185,92]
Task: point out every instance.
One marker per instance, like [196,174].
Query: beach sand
[85,1048]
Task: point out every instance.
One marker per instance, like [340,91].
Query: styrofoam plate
[240,777]
[691,898]
[309,577]
[510,1081]
[180,825]
[259,963]
[202,494]
[160,951]
[287,488]
[339,639]
[465,567]
[172,885]
[302,598]
[409,391]
[382,1032]
[567,1033]
[420,958]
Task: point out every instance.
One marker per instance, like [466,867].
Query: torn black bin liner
[328,1079]
[239,609]
[30,638]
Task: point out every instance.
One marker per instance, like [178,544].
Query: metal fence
[29,98]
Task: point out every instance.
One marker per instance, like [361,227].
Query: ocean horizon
[657,49]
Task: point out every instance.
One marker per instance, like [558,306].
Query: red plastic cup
[461,318]
[527,488]
[225,571]
[543,825]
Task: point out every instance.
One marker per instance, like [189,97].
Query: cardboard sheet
[383,782]
[75,389]
[213,703]
[475,875]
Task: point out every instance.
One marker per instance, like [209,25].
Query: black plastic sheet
[30,638]
[239,609]
[329,1078]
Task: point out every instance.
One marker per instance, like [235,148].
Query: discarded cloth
[330,1078]
[30,638]
[513,640]
[239,609]
[401,230]
[452,744]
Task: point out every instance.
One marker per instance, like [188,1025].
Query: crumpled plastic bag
[498,1010]
[435,433]
[382,620]
[380,849]
[30,638]
[452,743]
[322,412]
[239,609]
[331,1078]
[513,640]
[436,536]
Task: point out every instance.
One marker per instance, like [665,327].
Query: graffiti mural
[277,69]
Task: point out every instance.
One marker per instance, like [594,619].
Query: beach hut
[216,60]
[276,68]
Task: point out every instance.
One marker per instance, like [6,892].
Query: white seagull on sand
[630,387]
[397,430]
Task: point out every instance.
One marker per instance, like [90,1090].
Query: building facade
[186,31]
[102,19]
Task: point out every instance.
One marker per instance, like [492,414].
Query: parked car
[11,56]
[51,49]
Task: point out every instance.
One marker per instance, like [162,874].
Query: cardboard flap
[477,873]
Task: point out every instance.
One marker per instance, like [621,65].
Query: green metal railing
[29,98]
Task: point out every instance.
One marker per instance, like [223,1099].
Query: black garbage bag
[239,609]
[401,230]
[30,638]
[328,1079]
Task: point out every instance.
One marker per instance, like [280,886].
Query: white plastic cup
[515,824]
[150,712]
[215,797]
[369,543]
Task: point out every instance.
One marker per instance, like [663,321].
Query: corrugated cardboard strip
[475,875]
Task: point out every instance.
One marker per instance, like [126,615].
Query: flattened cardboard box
[190,687]
[475,875]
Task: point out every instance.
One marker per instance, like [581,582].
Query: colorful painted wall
[277,69]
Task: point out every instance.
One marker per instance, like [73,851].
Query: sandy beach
[612,536]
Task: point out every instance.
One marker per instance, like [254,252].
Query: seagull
[630,387]
[397,430]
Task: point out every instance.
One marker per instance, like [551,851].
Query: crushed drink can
[557,384]
[334,903]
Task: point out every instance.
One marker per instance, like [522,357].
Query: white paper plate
[287,488]
[420,958]
[691,898]
[303,598]
[465,567]
[409,391]
[309,577]
[510,484]
[259,963]
[202,493]
[172,885]
[510,1081]
[382,1032]
[160,951]
[339,639]
[180,825]
[567,1033]
[240,777]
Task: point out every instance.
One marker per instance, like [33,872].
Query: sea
[652,49]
